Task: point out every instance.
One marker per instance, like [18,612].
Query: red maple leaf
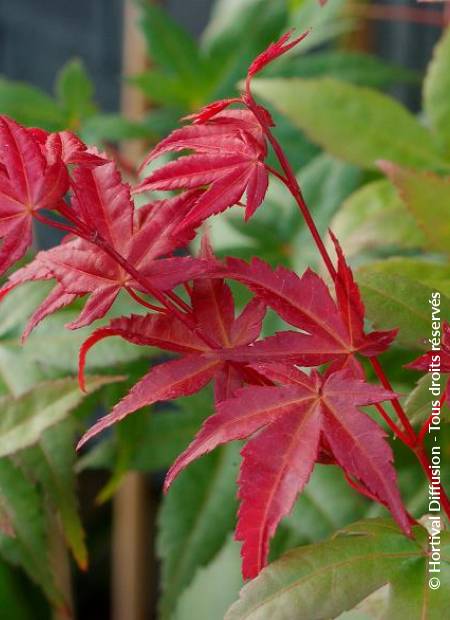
[215,329]
[28,183]
[103,203]
[228,154]
[287,425]
[437,359]
[331,330]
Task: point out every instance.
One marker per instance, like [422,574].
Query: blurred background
[121,73]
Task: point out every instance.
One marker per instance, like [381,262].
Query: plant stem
[410,440]
[144,303]
[392,425]
[395,403]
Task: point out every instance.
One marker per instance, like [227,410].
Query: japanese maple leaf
[286,425]
[215,329]
[142,237]
[227,156]
[27,184]
[330,329]
[426,362]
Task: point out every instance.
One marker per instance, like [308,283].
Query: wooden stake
[132,558]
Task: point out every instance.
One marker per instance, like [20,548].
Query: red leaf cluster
[291,419]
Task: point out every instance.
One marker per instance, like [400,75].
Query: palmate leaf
[296,419]
[228,156]
[357,124]
[81,268]
[194,522]
[216,330]
[27,183]
[305,302]
[375,550]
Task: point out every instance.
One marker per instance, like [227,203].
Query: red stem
[144,303]
[392,425]
[53,223]
[395,403]
[294,188]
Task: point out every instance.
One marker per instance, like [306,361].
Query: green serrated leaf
[25,418]
[428,272]
[51,463]
[27,514]
[30,106]
[197,516]
[113,128]
[164,89]
[436,101]
[169,45]
[320,579]
[418,402]
[353,123]
[75,91]
[395,301]
[52,345]
[361,223]
[427,197]
[354,67]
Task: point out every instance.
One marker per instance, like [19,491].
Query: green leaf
[328,578]
[113,128]
[436,101]
[75,91]
[197,515]
[17,374]
[169,432]
[353,123]
[427,197]
[418,402]
[354,67]
[326,22]
[237,32]
[30,106]
[26,512]
[361,222]
[51,345]
[326,504]
[213,588]
[169,45]
[428,272]
[410,594]
[51,463]
[396,301]
[25,418]
[164,89]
